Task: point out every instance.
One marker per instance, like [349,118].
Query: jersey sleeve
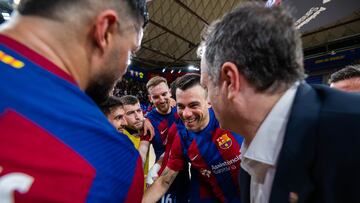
[176,160]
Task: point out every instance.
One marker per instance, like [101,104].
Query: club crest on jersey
[224,141]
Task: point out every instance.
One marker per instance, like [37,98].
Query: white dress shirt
[259,159]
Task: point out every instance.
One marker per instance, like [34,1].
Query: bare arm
[144,150]
[160,160]
[160,186]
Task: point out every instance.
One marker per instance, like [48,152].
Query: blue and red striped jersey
[55,144]
[214,154]
[179,189]
[162,124]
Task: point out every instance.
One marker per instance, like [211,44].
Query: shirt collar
[266,145]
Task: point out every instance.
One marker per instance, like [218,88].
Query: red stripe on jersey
[135,192]
[59,173]
[163,130]
[170,140]
[229,149]
[198,163]
[176,159]
[205,190]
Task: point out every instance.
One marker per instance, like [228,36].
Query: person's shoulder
[338,101]
[173,109]
[152,114]
[328,113]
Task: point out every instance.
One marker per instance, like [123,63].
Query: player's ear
[104,28]
[208,100]
[229,80]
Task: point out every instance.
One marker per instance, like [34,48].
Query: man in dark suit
[302,142]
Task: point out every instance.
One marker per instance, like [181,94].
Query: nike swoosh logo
[192,159]
[163,131]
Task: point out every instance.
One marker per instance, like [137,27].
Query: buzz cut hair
[129,100]
[58,9]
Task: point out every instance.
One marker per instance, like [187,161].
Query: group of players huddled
[195,160]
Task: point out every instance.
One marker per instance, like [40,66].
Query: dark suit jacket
[320,157]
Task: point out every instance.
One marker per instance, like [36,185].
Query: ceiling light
[6,16]
[191,67]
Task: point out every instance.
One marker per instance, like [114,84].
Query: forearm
[156,191]
[160,160]
[144,150]
[160,186]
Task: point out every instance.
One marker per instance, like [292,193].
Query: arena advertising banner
[313,14]
[332,60]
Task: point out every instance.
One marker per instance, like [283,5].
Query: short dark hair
[129,100]
[43,8]
[263,43]
[48,8]
[173,88]
[185,82]
[348,72]
[108,106]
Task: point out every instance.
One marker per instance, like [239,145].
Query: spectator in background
[301,141]
[55,144]
[132,87]
[346,79]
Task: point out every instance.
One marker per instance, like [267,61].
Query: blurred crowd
[132,87]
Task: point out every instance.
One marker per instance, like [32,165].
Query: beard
[164,108]
[100,91]
[102,84]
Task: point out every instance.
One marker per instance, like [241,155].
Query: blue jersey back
[60,135]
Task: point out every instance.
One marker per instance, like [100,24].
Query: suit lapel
[244,180]
[297,152]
